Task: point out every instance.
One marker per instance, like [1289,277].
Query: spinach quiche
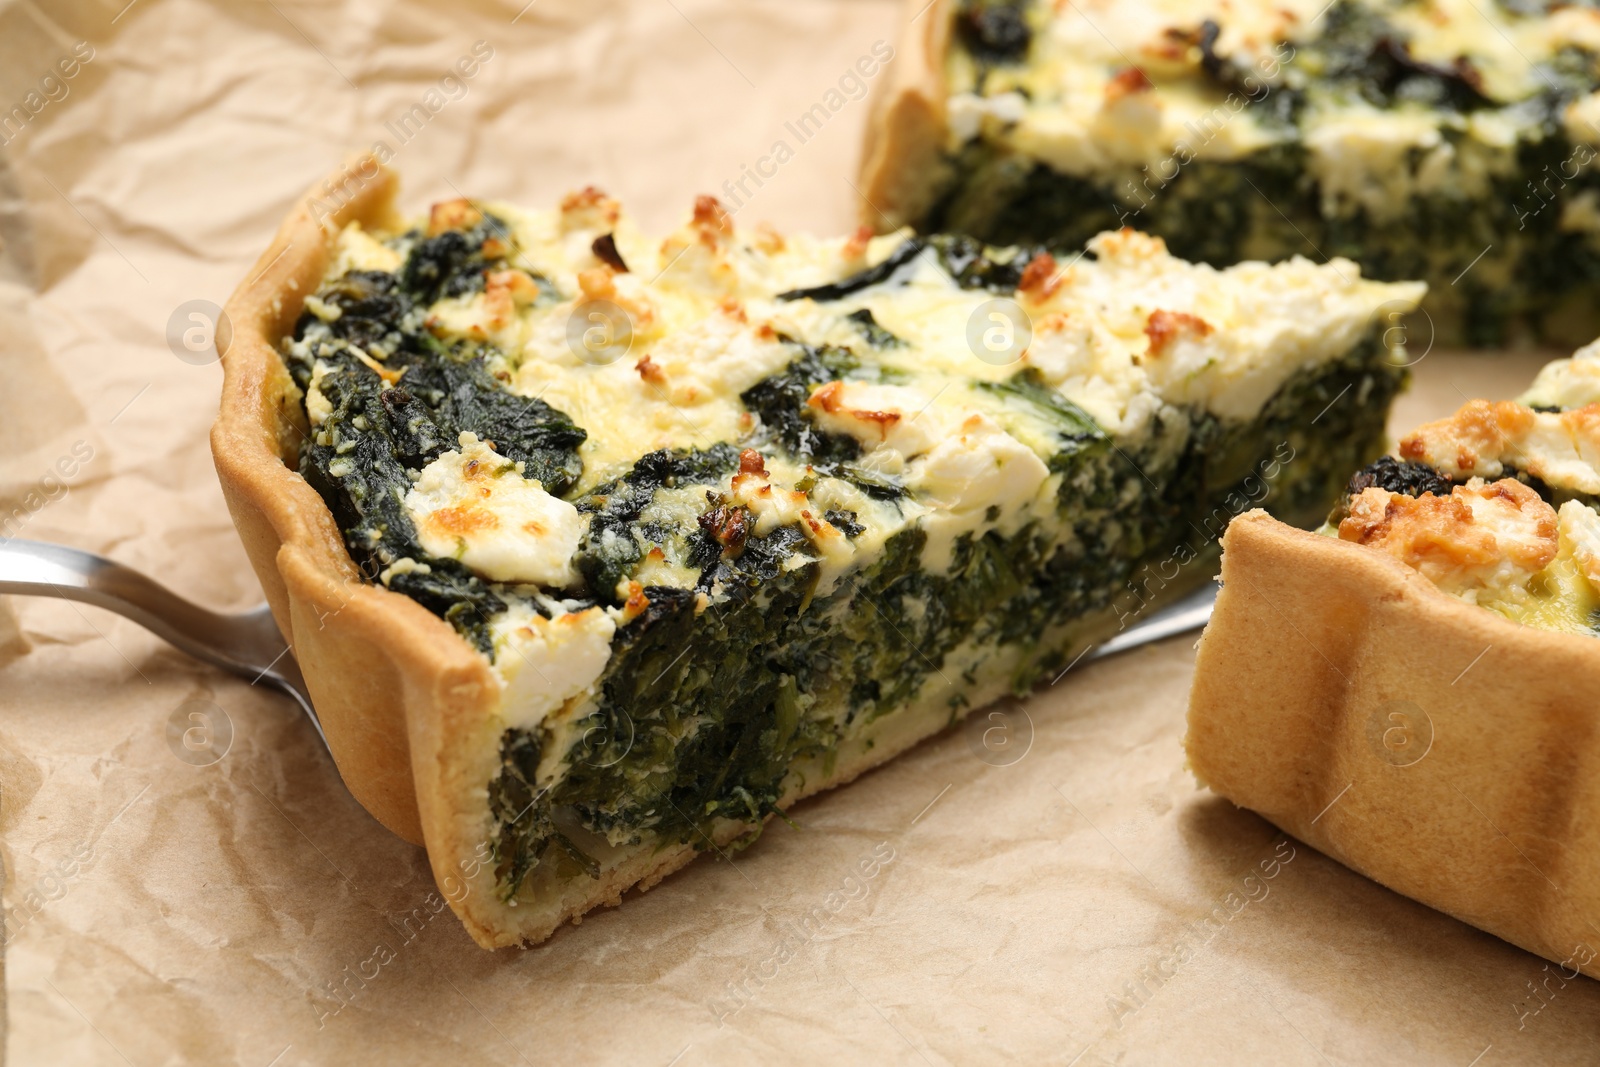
[1411,688]
[599,550]
[1448,140]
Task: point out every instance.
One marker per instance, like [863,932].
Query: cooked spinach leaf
[1075,425]
[780,401]
[994,31]
[614,543]
[865,279]
[384,427]
[876,335]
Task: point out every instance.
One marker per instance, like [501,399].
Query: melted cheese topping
[1481,543]
[1118,90]
[1486,438]
[474,505]
[657,356]
[1500,545]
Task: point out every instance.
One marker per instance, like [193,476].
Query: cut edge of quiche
[767,579]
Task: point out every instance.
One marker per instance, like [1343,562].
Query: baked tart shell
[903,154]
[1430,744]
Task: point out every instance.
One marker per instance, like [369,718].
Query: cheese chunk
[548,661]
[1580,531]
[979,471]
[1482,542]
[890,417]
[1567,383]
[1483,439]
[474,505]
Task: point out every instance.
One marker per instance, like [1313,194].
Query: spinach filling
[361,457]
[705,709]
[616,540]
[1496,260]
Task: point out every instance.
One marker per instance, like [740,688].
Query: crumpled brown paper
[186,881]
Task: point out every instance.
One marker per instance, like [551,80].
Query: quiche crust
[1435,747]
[902,157]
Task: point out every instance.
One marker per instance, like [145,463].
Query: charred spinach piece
[863,279]
[1399,476]
[1366,52]
[994,31]
[614,542]
[780,401]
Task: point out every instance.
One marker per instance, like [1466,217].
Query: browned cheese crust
[1435,747]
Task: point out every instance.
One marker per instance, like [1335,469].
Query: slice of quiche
[1411,689]
[1448,140]
[656,537]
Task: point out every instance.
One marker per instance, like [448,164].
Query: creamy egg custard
[1497,504]
[736,515]
[1448,140]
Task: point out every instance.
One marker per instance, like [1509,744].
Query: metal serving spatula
[250,646]
[247,644]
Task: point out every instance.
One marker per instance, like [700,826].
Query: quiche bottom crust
[1315,643]
[409,708]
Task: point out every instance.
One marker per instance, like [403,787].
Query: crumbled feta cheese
[474,505]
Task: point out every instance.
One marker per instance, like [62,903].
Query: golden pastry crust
[902,164]
[402,699]
[1435,747]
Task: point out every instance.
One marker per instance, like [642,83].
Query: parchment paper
[1066,895]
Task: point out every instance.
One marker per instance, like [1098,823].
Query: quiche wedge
[598,551]
[1448,140]
[1411,689]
